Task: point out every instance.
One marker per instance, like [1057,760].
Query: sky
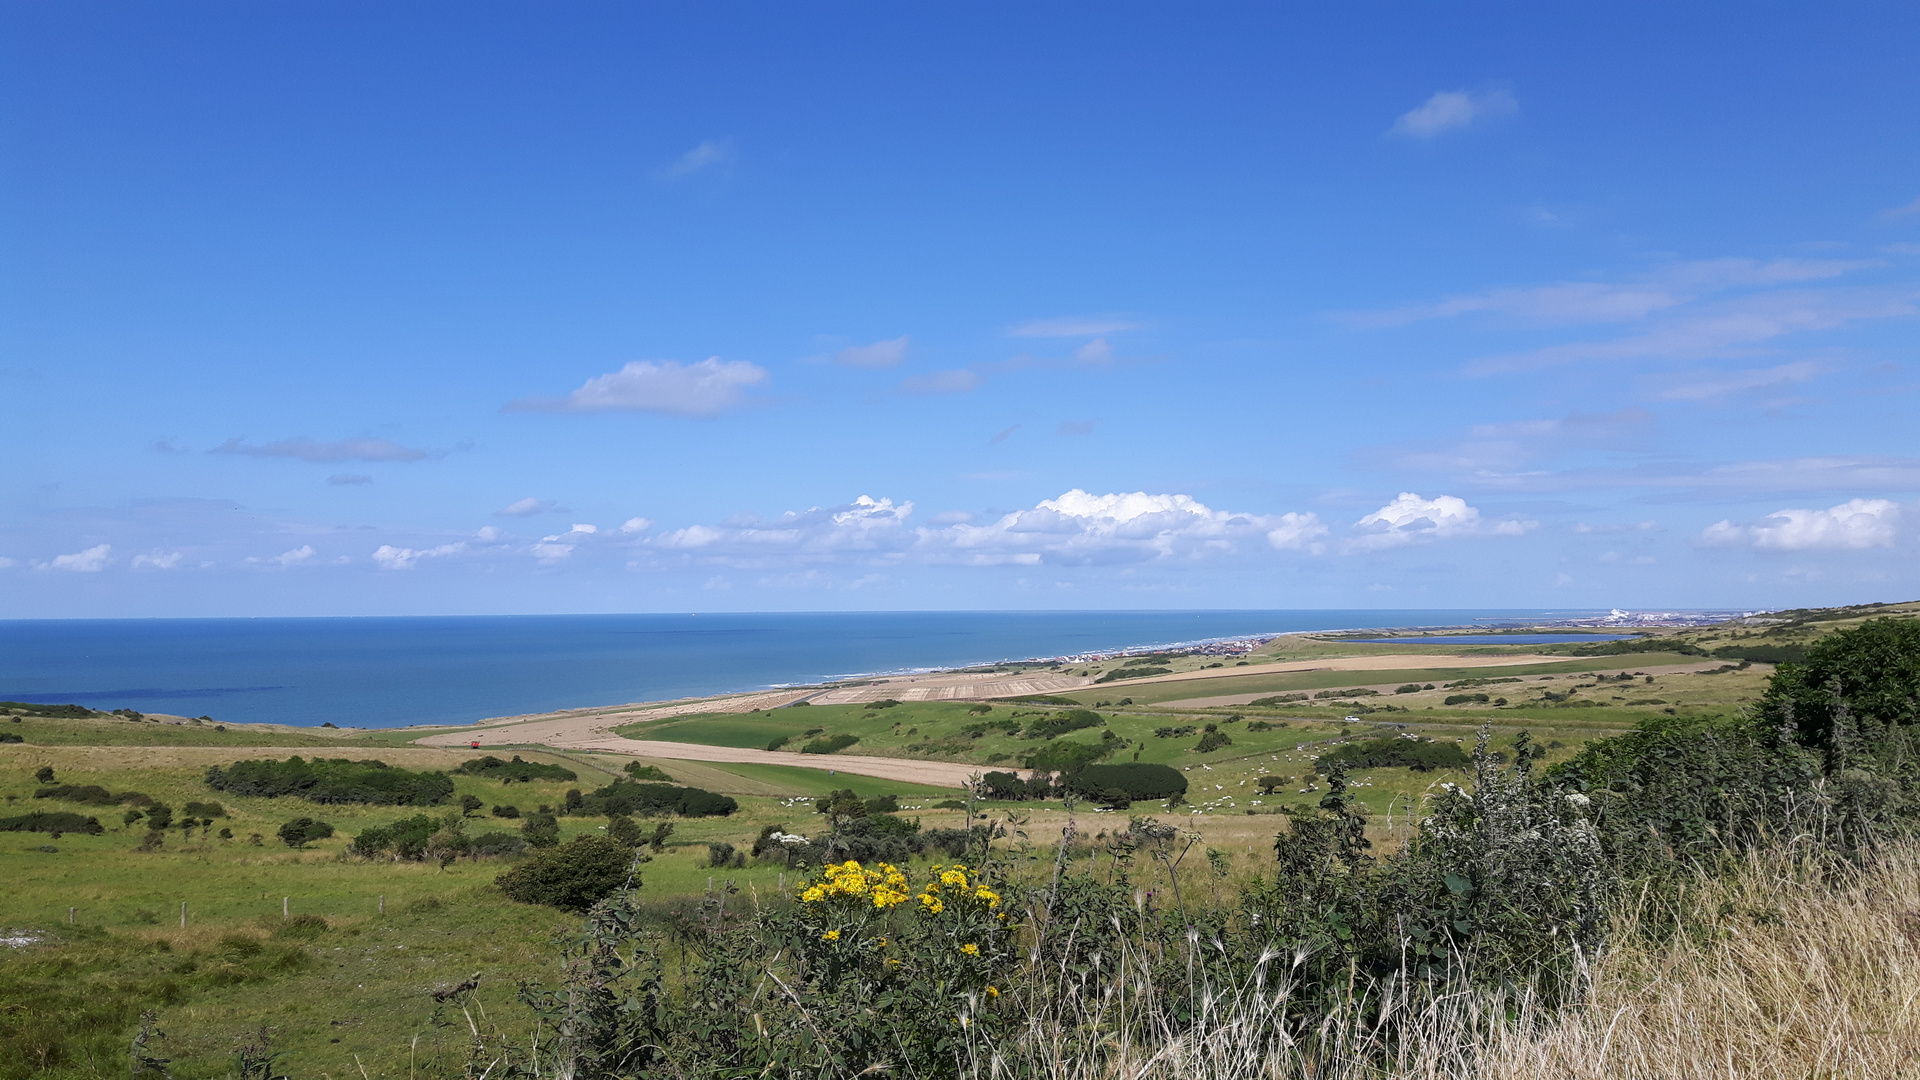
[364,309]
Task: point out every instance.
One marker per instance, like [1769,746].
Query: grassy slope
[363,981]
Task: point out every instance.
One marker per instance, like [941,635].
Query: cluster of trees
[1418,754]
[517,770]
[332,780]
[630,797]
[1115,784]
[423,838]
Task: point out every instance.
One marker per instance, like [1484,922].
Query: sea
[398,671]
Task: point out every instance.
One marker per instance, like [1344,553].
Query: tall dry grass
[1788,964]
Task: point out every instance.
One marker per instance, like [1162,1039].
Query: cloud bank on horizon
[1268,310]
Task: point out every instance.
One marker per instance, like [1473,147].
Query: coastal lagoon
[390,672]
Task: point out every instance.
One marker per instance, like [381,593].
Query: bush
[58,821]
[1064,755]
[1420,755]
[1132,673]
[1211,741]
[10,737]
[647,772]
[648,800]
[506,811]
[1874,669]
[1277,699]
[192,809]
[496,845]
[1008,786]
[515,771]
[1140,780]
[1465,699]
[1358,691]
[541,830]
[719,855]
[572,877]
[302,831]
[332,780]
[829,745]
[87,794]
[57,712]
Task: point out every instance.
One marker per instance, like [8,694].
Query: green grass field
[352,1000]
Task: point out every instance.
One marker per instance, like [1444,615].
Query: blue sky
[433,308]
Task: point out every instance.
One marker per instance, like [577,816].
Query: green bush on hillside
[515,771]
[302,831]
[1420,755]
[651,800]
[332,780]
[1057,724]
[830,744]
[57,821]
[57,712]
[1140,780]
[574,876]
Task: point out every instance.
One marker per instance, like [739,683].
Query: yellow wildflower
[813,895]
[932,903]
[970,949]
[831,935]
[993,991]
[955,878]
[992,898]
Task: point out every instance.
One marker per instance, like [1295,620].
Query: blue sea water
[390,672]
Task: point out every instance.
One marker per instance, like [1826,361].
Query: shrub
[1465,699]
[10,737]
[88,794]
[1358,691]
[1009,786]
[192,809]
[1063,755]
[58,821]
[332,780]
[496,845]
[647,772]
[302,831]
[829,745]
[44,775]
[719,854]
[1176,732]
[515,771]
[541,830]
[1211,741]
[1277,699]
[1267,784]
[573,876]
[1132,673]
[647,800]
[57,712]
[1140,780]
[1420,755]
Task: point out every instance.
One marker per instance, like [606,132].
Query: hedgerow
[332,780]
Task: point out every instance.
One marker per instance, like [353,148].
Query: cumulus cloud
[296,556]
[389,557]
[1297,532]
[530,506]
[90,561]
[1072,326]
[1451,110]
[312,450]
[707,388]
[636,525]
[488,534]
[955,381]
[708,154]
[1410,518]
[880,354]
[1080,528]
[157,560]
[1854,525]
[866,526]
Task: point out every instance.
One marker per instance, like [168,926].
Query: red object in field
[475,744]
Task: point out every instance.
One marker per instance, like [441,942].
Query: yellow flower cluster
[831,935]
[884,884]
[934,896]
[970,949]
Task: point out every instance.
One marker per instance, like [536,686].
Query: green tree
[573,876]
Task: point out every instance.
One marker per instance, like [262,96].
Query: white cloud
[318,452]
[1409,518]
[530,506]
[1908,210]
[6,563]
[1582,302]
[956,381]
[1723,384]
[1081,528]
[880,354]
[1854,525]
[488,534]
[297,555]
[709,153]
[157,560]
[636,525]
[1073,326]
[1450,110]
[588,529]
[707,388]
[90,561]
[398,558]
[1297,532]
[866,527]
[1095,353]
